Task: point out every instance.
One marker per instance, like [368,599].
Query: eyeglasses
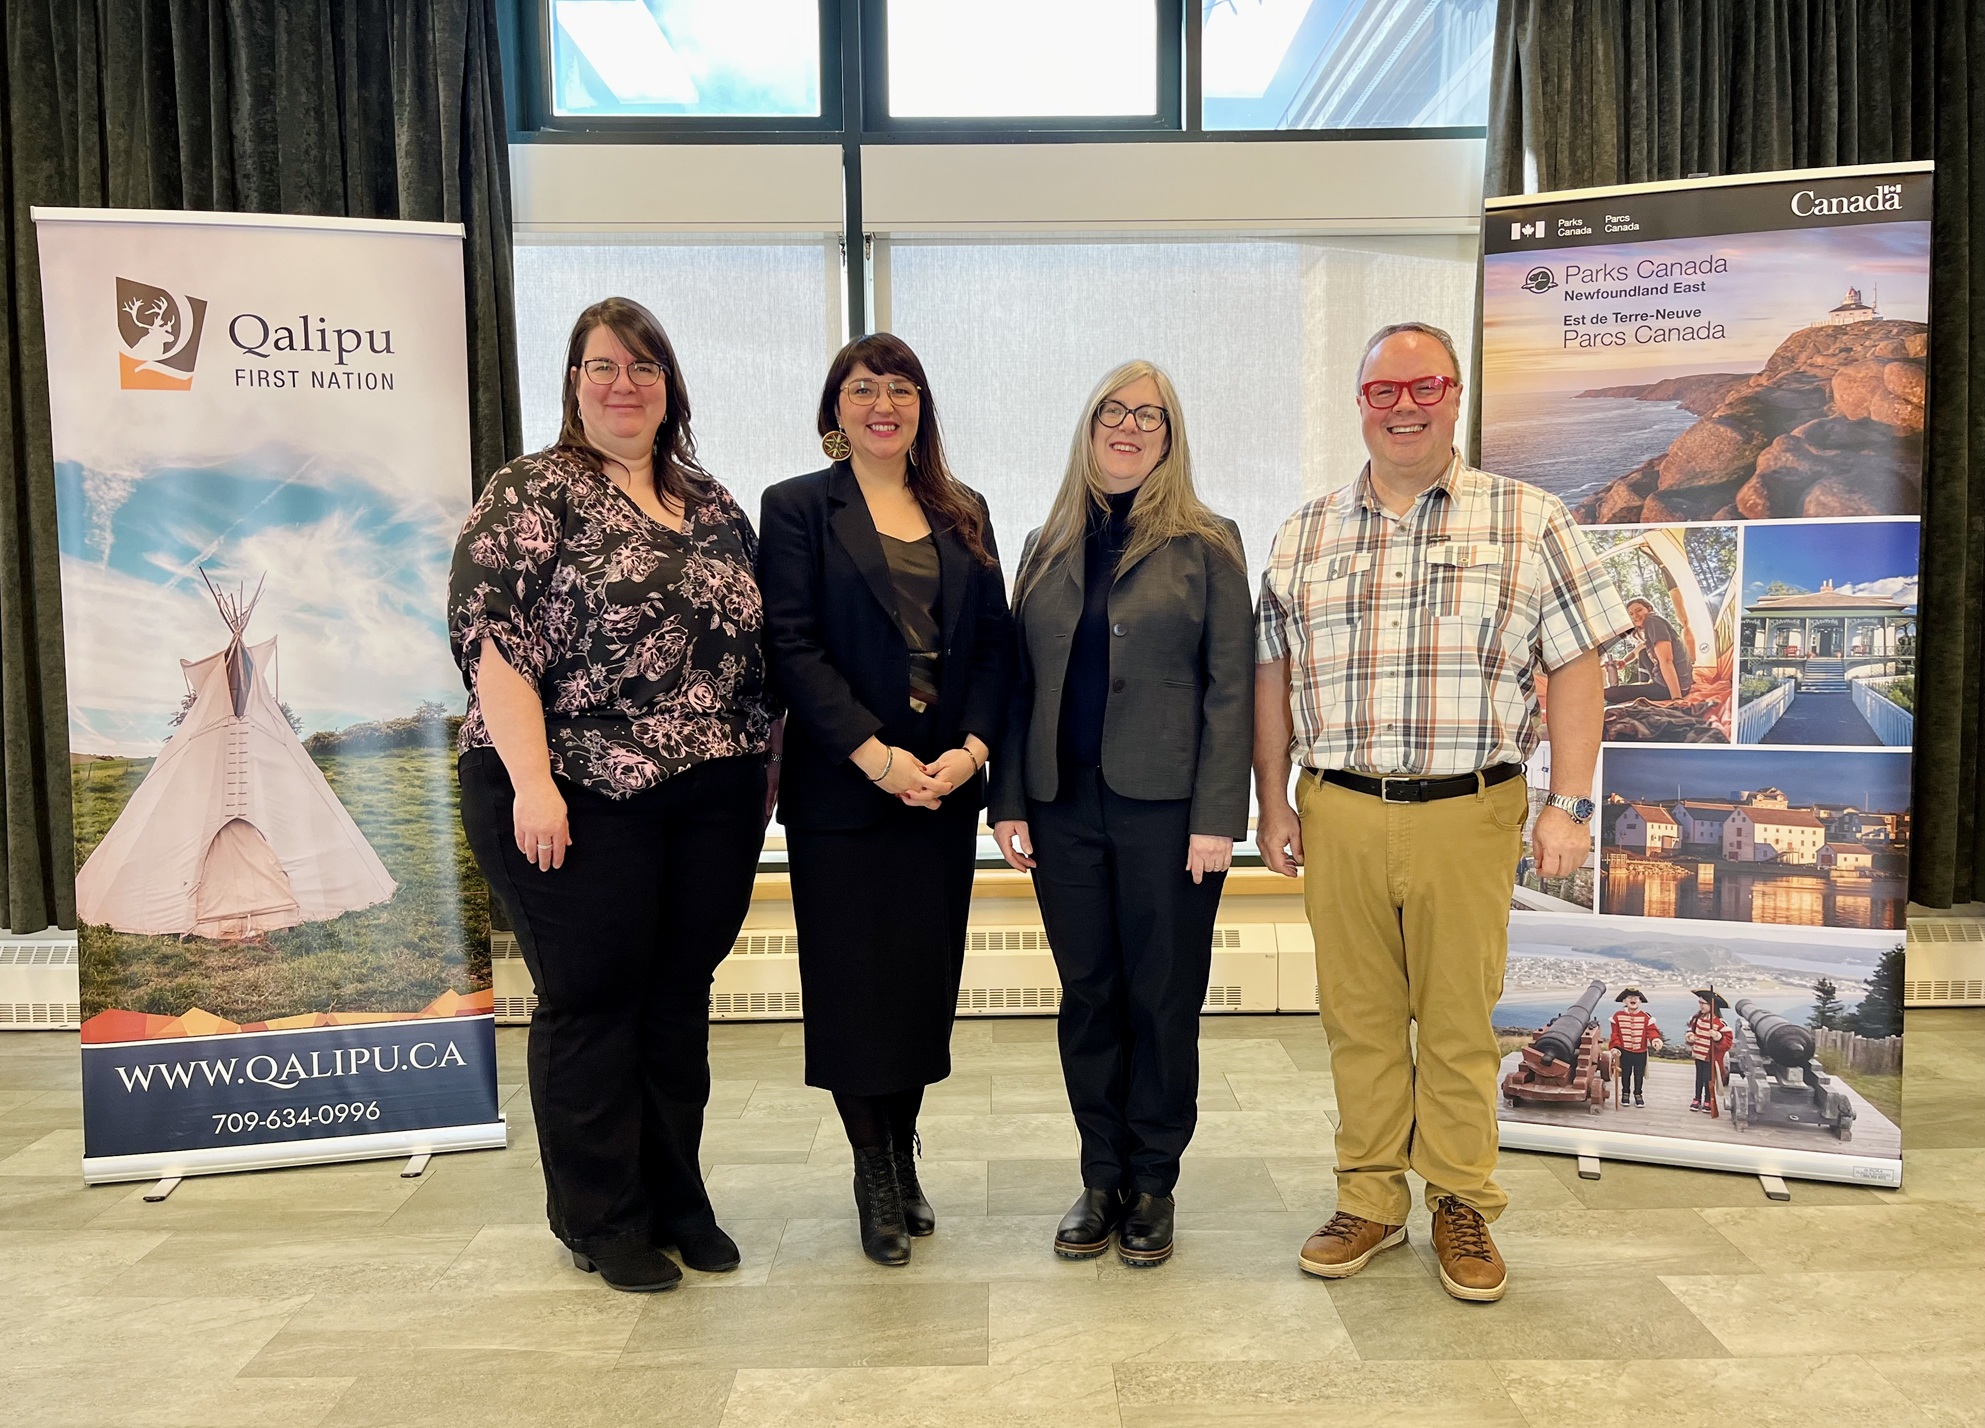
[1112,413]
[865,391]
[604,370]
[1426,391]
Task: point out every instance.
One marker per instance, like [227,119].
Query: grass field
[431,937]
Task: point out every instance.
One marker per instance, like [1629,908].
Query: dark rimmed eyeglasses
[1112,413]
[603,371]
[1425,391]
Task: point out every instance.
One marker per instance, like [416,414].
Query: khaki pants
[1409,904]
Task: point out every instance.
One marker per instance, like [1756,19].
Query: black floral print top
[644,645]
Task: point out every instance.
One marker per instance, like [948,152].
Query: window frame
[526,31]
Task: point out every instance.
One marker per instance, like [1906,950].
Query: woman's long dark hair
[939,492]
[677,471]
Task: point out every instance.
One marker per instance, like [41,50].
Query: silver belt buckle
[1385,789]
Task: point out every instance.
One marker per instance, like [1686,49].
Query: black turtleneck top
[1086,688]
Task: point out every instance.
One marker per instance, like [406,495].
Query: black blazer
[1180,717]
[838,655]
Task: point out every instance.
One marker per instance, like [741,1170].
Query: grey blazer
[1180,717]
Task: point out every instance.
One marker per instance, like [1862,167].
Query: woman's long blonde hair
[1166,505]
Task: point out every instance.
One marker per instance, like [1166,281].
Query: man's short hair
[1426,328]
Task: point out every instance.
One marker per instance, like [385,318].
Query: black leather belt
[1419,790]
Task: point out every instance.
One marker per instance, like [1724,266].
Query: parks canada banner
[261,457]
[1725,380]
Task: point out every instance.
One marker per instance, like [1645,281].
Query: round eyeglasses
[1112,413]
[602,371]
[866,391]
[1425,391]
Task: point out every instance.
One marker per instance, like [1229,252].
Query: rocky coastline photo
[1832,426]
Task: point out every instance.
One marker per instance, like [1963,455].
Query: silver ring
[546,845]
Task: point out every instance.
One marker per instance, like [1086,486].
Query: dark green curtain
[1592,92]
[358,108]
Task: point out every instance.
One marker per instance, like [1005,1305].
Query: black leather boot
[631,1268]
[1145,1237]
[918,1217]
[1085,1230]
[879,1202]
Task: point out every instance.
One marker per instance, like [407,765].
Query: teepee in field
[234,831]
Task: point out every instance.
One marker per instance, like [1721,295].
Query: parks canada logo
[160,334]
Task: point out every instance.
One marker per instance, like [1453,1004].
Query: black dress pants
[1133,940]
[622,942]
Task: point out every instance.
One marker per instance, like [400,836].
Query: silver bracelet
[886,765]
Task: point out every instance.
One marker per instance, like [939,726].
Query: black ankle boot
[704,1248]
[1085,1230]
[1145,1238]
[918,1217]
[879,1202]
[631,1268]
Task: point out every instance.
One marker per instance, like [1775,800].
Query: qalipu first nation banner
[1726,381]
[261,456]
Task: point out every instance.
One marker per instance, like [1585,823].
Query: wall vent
[37,954]
[41,1016]
[1009,998]
[733,1004]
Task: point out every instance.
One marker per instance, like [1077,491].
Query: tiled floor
[346,1295]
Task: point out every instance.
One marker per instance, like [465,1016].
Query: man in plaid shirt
[1408,624]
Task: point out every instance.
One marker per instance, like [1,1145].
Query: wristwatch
[1578,809]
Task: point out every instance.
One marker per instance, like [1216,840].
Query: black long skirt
[881,914]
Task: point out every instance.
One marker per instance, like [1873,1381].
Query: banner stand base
[159,1191]
[416,1167]
[171,1166]
[1765,1162]
[1774,1188]
[1589,1167]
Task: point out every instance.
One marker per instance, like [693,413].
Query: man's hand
[1278,834]
[1560,845]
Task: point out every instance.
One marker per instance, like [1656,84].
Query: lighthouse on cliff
[1853,309]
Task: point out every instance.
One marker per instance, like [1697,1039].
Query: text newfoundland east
[306,1083]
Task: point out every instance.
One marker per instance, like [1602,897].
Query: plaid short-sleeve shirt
[1414,641]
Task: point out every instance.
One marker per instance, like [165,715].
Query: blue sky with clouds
[1860,558]
[356,586]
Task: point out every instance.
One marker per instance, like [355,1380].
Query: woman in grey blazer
[1122,783]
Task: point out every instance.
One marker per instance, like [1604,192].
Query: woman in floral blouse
[614,783]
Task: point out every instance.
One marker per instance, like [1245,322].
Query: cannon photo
[1615,1025]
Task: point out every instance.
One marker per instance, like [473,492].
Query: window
[1346,64]
[1261,335]
[706,58]
[1022,58]
[750,321]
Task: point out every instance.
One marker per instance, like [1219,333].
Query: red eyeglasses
[1426,391]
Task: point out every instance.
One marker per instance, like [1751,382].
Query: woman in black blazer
[1123,783]
[887,628]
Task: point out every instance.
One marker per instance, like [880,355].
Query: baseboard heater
[39,988]
[1009,971]
[1944,962]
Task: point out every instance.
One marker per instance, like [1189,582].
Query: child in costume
[1634,1035]
[1709,1039]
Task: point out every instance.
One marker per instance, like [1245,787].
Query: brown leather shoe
[1346,1245]
[1469,1265]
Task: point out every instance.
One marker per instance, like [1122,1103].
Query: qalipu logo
[161,337]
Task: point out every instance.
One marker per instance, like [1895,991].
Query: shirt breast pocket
[1466,583]
[1333,597]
